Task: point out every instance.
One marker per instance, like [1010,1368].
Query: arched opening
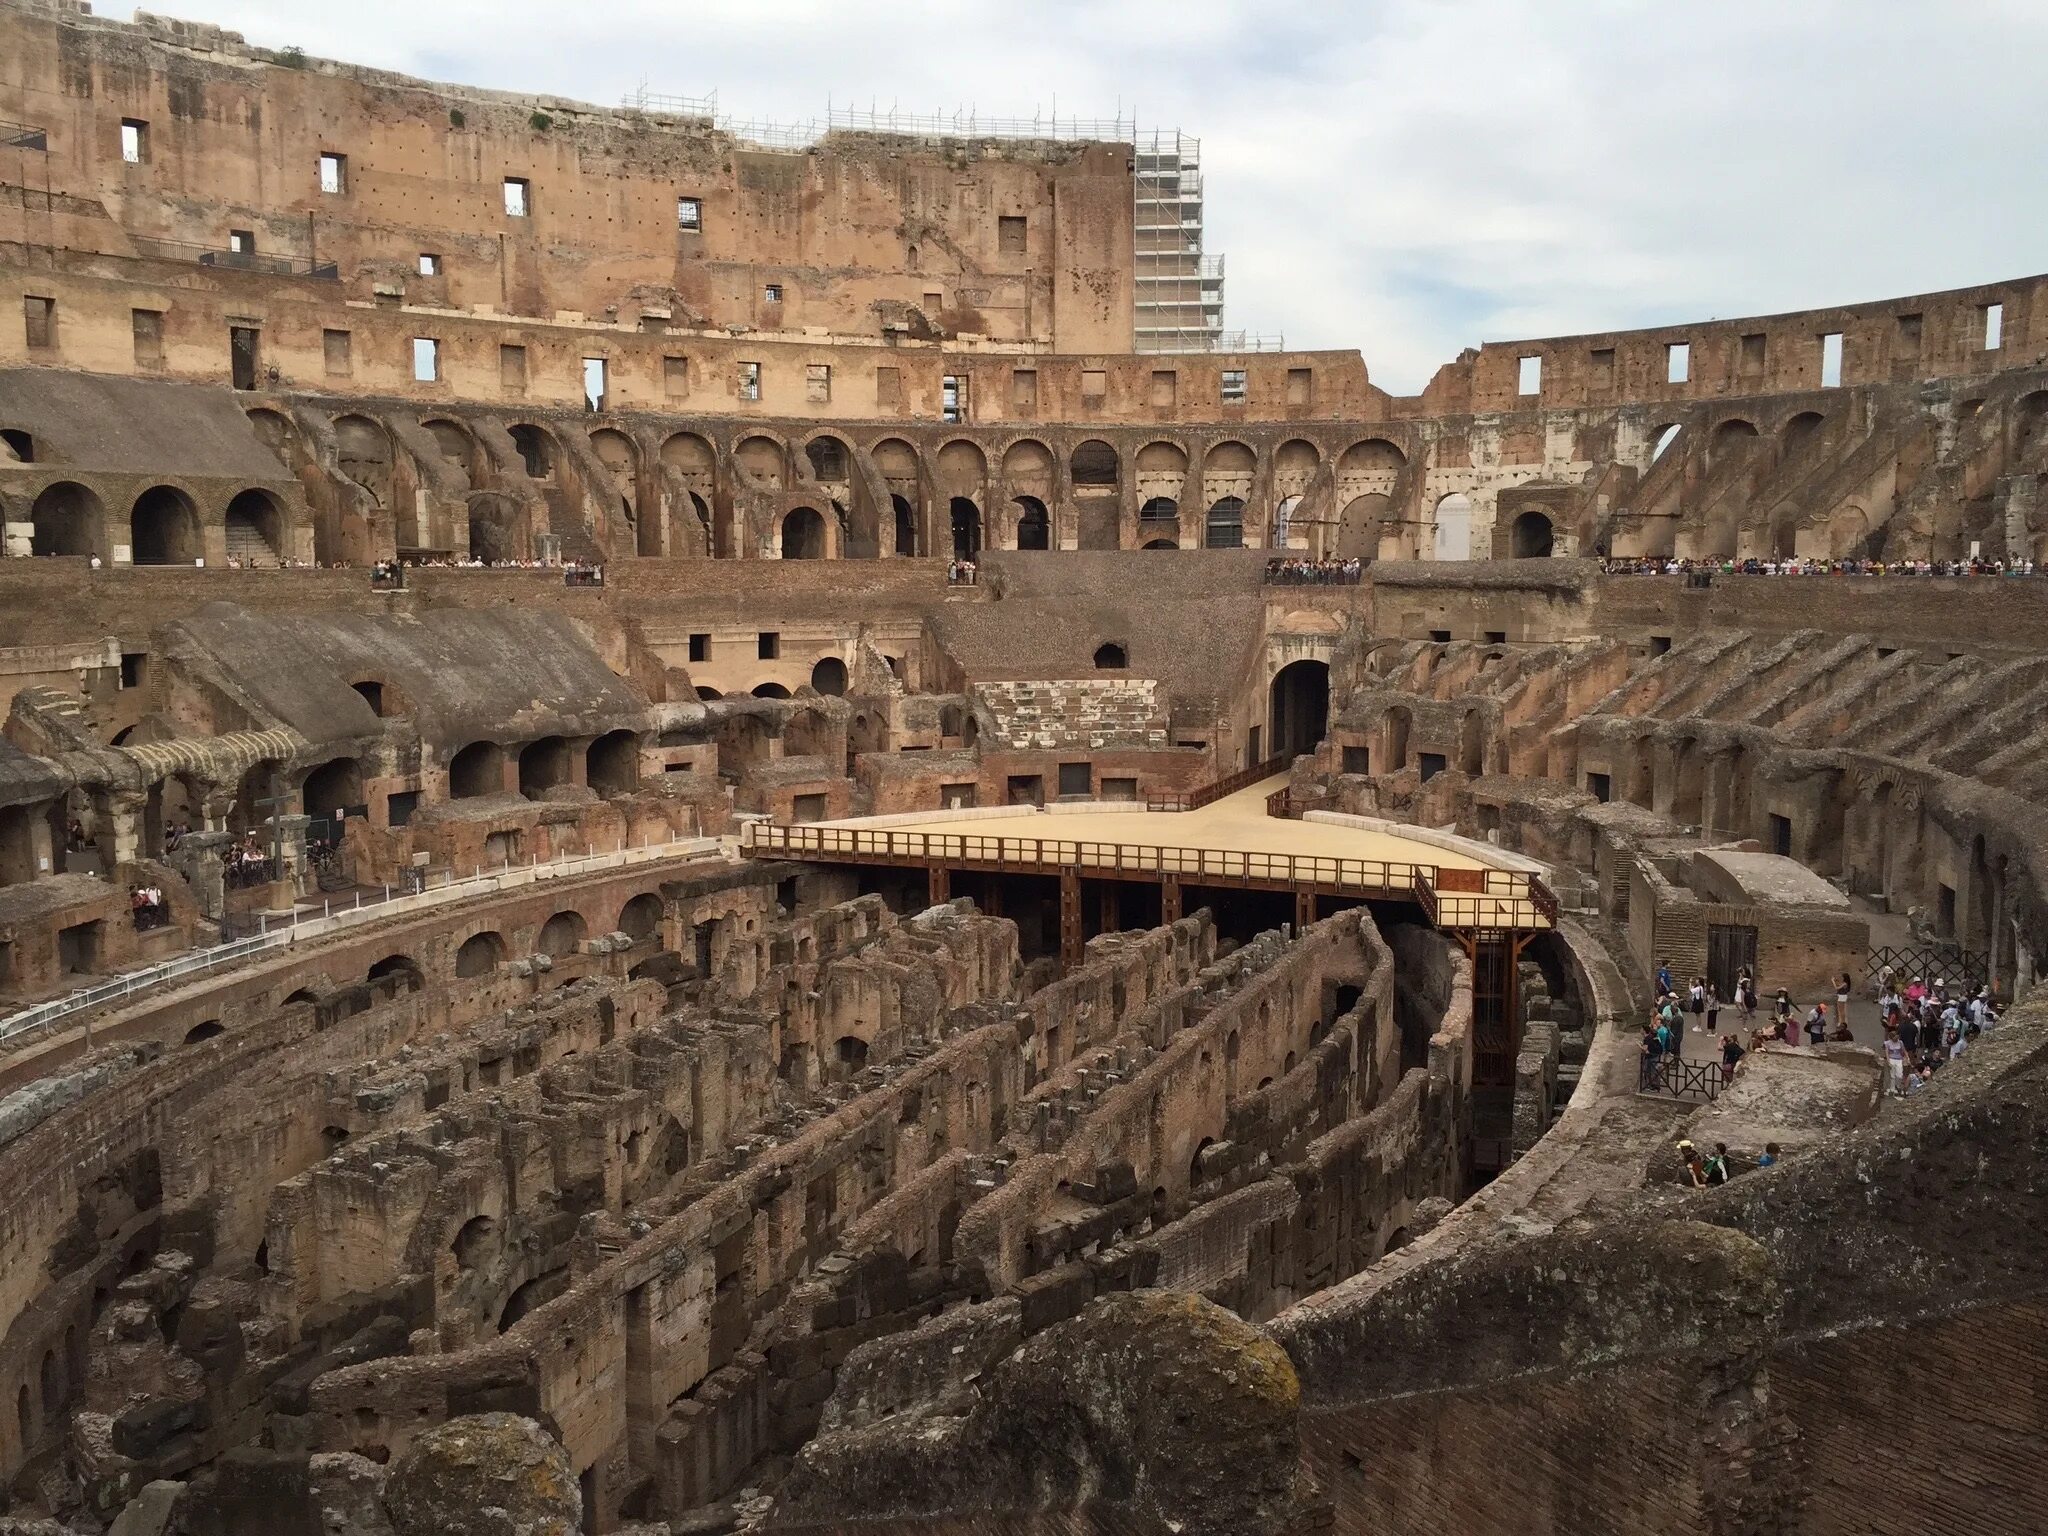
[1453,537]
[769,691]
[21,446]
[803,535]
[759,462]
[1731,433]
[209,1030]
[1195,1162]
[1110,657]
[1225,526]
[335,786]
[402,967]
[479,955]
[1663,438]
[640,918]
[1800,431]
[1471,744]
[536,451]
[1160,544]
[829,677]
[1398,721]
[1358,525]
[1093,467]
[255,527]
[66,520]
[612,765]
[829,459]
[543,765]
[906,526]
[1300,713]
[478,769]
[163,528]
[560,934]
[1532,536]
[1034,526]
[851,1051]
[966,529]
[474,1242]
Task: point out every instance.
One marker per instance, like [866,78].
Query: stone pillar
[120,832]
[198,858]
[291,834]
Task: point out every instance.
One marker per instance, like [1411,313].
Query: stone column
[198,858]
[120,831]
[291,835]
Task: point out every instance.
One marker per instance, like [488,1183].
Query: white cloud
[1408,177]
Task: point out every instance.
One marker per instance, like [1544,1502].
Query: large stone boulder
[487,1474]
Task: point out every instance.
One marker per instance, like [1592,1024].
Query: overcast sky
[1408,177]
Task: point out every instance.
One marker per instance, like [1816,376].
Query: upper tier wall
[1021,240]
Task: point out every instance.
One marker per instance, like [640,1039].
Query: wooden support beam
[939,885]
[1169,899]
[1070,919]
[1304,907]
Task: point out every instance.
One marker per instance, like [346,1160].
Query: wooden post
[1070,919]
[1169,899]
[940,887]
[1304,907]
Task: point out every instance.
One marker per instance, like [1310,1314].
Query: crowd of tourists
[1926,1025]
[1314,573]
[1665,565]
[962,573]
[246,864]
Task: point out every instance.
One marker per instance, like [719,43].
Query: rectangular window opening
[430,264]
[426,360]
[1754,348]
[888,385]
[333,173]
[1909,335]
[1831,360]
[768,645]
[1010,235]
[675,377]
[241,242]
[39,316]
[244,345]
[1076,778]
[1165,388]
[818,383]
[596,382]
[1659,644]
[1603,366]
[953,398]
[1994,325]
[1301,386]
[518,197]
[336,352]
[131,668]
[1529,376]
[1600,786]
[512,369]
[149,337]
[1094,386]
[134,140]
[771,293]
[1431,764]
[700,647]
[748,381]
[1024,389]
[1234,388]
[689,214]
[1677,362]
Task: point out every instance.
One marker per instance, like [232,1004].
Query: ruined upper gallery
[683,850]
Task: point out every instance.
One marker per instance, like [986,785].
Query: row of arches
[611,765]
[163,525]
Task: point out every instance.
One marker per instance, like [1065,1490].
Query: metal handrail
[1215,789]
[29,1020]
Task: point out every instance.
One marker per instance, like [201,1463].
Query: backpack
[1717,1170]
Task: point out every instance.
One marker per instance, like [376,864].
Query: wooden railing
[1215,789]
[1454,898]
[1282,804]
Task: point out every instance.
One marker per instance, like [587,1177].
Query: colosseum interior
[689,844]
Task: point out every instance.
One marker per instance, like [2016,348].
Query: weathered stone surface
[489,1474]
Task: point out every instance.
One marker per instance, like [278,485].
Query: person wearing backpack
[1716,1169]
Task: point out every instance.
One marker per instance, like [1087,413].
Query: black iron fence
[1965,970]
[1676,1078]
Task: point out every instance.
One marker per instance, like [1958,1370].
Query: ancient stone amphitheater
[689,841]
